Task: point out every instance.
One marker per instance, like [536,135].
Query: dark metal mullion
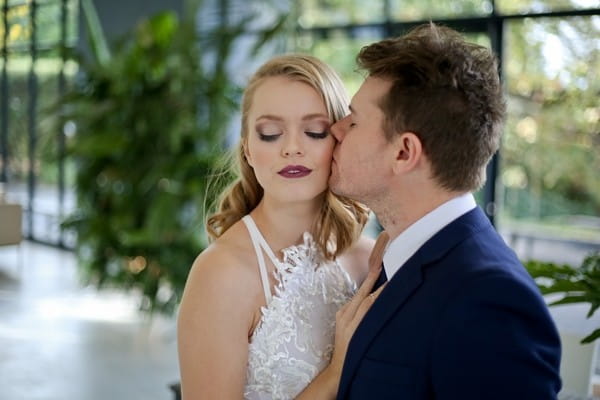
[4,97]
[464,24]
[387,15]
[496,35]
[62,84]
[31,120]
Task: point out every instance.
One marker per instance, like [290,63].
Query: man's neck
[407,208]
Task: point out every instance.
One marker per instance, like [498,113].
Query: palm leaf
[578,284]
[592,337]
[96,34]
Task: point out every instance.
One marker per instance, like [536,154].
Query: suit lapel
[402,286]
[393,296]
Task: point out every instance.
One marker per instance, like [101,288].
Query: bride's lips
[294,171]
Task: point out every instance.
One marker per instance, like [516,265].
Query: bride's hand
[350,315]
[325,385]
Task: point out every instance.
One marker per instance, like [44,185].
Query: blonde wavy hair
[340,220]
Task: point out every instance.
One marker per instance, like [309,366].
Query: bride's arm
[213,324]
[325,385]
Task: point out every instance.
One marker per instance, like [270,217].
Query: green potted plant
[577,284]
[151,116]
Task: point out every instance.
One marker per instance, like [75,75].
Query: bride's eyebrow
[269,117]
[315,116]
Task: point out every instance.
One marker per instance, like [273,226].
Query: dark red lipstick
[295,171]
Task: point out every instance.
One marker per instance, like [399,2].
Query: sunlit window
[550,157]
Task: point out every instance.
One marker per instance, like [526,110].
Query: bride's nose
[292,146]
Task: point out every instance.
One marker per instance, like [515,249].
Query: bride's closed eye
[317,135]
[317,129]
[268,131]
[268,137]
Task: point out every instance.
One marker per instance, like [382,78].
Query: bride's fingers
[365,305]
[363,291]
[375,260]
[376,256]
[374,270]
[342,311]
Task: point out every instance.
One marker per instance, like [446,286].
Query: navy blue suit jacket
[462,319]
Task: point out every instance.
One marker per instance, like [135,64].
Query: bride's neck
[282,225]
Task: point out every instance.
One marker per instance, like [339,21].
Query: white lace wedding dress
[293,341]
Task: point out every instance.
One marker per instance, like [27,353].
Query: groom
[460,318]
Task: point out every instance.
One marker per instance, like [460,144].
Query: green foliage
[550,151]
[151,119]
[577,284]
[142,160]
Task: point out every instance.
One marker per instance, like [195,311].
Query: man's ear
[408,150]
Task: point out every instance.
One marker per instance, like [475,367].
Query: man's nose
[337,130]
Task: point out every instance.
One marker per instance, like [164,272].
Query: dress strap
[259,242]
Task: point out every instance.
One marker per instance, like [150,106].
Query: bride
[258,315]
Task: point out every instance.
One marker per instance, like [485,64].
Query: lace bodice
[293,341]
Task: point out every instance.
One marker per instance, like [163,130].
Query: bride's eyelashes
[317,135]
[272,137]
[268,137]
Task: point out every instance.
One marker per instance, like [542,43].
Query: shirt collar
[405,245]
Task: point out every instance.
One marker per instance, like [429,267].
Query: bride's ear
[408,151]
[246,153]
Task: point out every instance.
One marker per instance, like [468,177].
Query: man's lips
[294,171]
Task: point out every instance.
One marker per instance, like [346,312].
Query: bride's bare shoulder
[222,281]
[355,260]
[230,258]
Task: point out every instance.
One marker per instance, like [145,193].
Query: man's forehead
[370,93]
[377,85]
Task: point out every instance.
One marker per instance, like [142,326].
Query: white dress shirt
[405,245]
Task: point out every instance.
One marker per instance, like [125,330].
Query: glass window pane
[339,12]
[481,39]
[18,142]
[248,15]
[264,15]
[48,25]
[72,22]
[48,17]
[551,149]
[47,204]
[537,6]
[425,9]
[19,27]
[339,50]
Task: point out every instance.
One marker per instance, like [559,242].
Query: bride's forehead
[285,99]
[290,89]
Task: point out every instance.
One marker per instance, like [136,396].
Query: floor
[60,340]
